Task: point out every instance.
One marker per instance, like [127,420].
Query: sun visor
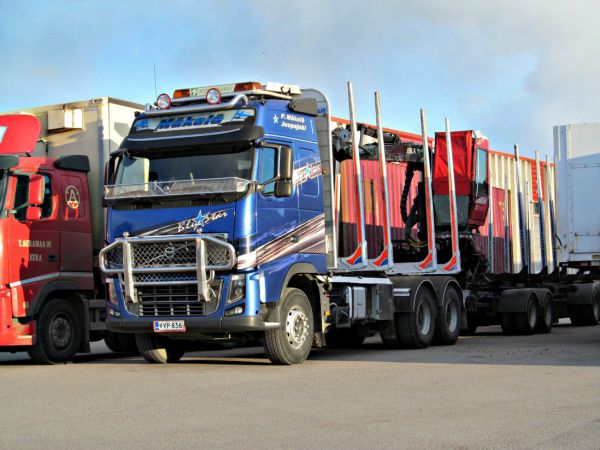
[200,129]
[18,134]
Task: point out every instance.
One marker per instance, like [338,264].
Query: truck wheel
[58,333]
[526,322]
[157,349]
[447,322]
[388,334]
[120,342]
[416,329]
[586,314]
[544,323]
[345,338]
[472,324]
[292,341]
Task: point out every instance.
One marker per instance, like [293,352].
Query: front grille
[148,255]
[181,300]
[159,277]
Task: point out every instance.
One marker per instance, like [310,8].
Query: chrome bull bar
[146,255]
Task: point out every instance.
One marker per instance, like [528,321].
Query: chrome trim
[202,98]
[197,108]
[184,136]
[128,273]
[50,276]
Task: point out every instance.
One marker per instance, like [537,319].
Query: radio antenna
[155,91]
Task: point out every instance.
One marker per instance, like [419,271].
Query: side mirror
[37,184]
[286,163]
[109,170]
[283,188]
[33,213]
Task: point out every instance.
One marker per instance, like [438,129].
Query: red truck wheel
[58,333]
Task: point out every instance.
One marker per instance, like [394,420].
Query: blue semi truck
[223,223]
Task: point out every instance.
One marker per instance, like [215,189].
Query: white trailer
[577,162]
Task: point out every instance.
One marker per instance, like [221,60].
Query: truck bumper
[192,324]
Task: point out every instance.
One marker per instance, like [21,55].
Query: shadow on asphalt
[565,346]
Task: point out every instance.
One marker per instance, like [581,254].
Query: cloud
[510,68]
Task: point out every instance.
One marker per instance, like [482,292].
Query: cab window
[268,169]
[20,204]
[481,175]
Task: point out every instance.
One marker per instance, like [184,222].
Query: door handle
[52,258]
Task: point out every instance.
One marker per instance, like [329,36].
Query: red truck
[51,295]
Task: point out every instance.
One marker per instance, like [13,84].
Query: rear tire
[292,341]
[157,349]
[581,315]
[526,322]
[544,324]
[416,329]
[447,323]
[58,335]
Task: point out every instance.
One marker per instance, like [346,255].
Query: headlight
[237,288]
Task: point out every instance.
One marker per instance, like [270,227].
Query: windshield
[198,173]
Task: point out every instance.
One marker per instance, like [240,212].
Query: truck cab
[215,213]
[45,249]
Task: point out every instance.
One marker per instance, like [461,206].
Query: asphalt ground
[487,391]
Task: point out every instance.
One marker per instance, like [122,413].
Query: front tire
[58,334]
[157,349]
[292,341]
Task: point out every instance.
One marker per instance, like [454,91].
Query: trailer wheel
[292,341]
[544,324]
[345,338]
[447,322]
[472,324]
[586,314]
[58,333]
[526,322]
[157,349]
[388,333]
[416,329]
[120,342]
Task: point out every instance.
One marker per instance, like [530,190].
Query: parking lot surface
[487,391]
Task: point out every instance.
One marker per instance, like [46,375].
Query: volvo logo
[169,252]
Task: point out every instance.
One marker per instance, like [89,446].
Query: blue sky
[512,69]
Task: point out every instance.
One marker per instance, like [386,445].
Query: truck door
[33,245]
[276,218]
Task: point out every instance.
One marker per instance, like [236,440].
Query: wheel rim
[451,316]
[60,331]
[424,318]
[532,314]
[296,327]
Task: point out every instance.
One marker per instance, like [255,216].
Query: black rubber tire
[389,334]
[526,322]
[279,345]
[112,341]
[447,322]
[582,315]
[546,315]
[416,329]
[472,325]
[508,324]
[345,338]
[58,333]
[157,349]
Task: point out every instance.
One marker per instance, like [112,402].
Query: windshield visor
[205,173]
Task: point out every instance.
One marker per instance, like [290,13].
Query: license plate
[168,326]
